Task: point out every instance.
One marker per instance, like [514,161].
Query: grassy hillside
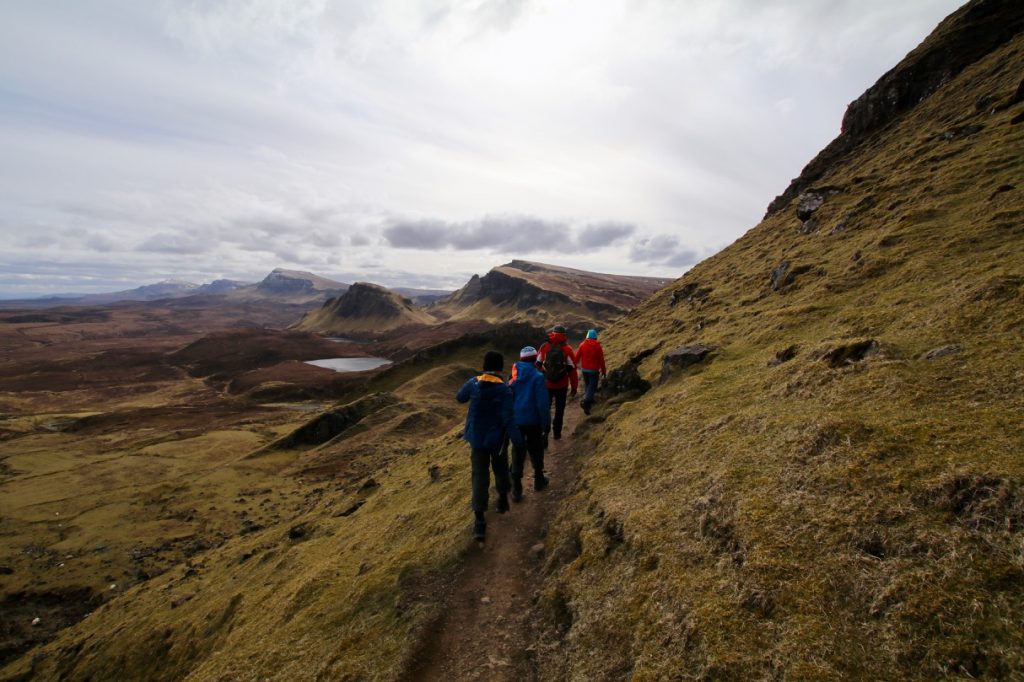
[835,491]
[353,522]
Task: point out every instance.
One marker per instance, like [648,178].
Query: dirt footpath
[488,623]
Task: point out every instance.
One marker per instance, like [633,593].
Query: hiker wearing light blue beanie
[590,357]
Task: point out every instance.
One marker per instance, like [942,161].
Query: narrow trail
[488,620]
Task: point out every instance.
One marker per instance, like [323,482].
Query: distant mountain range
[288,286]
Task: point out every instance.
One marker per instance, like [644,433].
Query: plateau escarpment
[293,285]
[547,294]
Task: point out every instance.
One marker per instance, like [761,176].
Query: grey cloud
[418,234]
[506,233]
[101,242]
[34,241]
[603,234]
[662,250]
[325,238]
[168,242]
[82,209]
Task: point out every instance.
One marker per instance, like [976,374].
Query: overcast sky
[412,143]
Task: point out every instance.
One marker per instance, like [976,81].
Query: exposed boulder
[942,351]
[850,353]
[691,293]
[785,274]
[960,131]
[683,357]
[810,225]
[784,355]
[625,380]
[808,203]
[778,276]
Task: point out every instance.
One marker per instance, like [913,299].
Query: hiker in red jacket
[558,363]
[590,358]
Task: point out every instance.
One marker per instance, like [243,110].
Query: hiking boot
[540,483]
[557,436]
[479,528]
[502,505]
[586,407]
[517,491]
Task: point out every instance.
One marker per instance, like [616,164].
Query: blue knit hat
[592,334]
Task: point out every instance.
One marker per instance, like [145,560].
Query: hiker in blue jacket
[489,418]
[533,419]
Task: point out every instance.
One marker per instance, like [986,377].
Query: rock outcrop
[972,32]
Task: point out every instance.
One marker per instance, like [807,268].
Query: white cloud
[240,133]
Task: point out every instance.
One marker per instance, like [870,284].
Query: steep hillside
[364,309]
[827,483]
[546,294]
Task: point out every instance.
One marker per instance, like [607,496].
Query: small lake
[350,364]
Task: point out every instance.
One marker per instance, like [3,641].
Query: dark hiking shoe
[586,407]
[479,529]
[502,505]
[517,491]
[557,436]
[540,483]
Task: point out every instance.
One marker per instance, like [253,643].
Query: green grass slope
[856,511]
[341,591]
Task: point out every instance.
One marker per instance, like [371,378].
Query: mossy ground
[860,518]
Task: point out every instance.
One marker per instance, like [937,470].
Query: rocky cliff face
[503,289]
[545,294]
[963,38]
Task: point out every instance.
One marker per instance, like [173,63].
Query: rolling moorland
[806,463]
[139,435]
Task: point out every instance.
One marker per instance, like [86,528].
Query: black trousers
[557,396]
[483,461]
[534,437]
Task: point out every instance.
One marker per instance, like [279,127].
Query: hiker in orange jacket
[558,363]
[590,358]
